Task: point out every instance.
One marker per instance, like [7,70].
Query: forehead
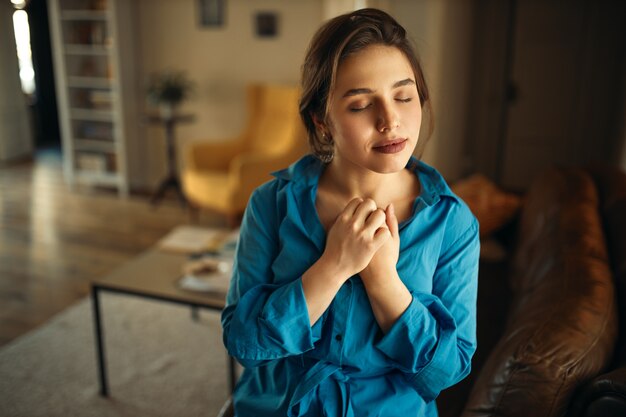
[373,66]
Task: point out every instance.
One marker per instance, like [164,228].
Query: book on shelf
[92,162]
[100,99]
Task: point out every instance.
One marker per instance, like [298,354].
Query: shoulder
[270,200]
[461,223]
[303,172]
[437,194]
[306,170]
[263,199]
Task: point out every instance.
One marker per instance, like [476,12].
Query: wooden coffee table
[154,274]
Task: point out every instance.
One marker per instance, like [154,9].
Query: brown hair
[339,38]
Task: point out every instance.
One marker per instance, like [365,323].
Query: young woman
[354,285]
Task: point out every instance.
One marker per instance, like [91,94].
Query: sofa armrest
[603,396]
[562,323]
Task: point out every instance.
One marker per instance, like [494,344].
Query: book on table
[211,253]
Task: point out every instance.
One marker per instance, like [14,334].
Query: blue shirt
[344,365]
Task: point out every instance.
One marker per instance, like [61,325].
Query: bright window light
[24,56]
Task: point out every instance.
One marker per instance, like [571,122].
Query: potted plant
[168,89]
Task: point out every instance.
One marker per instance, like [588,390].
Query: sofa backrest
[562,325]
[611,184]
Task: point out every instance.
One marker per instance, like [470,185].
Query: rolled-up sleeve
[262,320]
[433,341]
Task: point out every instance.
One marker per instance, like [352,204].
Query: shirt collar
[305,171]
[308,169]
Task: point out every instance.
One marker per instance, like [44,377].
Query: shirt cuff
[398,342]
[286,318]
[421,343]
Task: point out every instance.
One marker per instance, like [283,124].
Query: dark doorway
[547,86]
[43,105]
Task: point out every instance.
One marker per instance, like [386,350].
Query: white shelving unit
[92,44]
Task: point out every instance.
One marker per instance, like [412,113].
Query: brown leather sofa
[552,315]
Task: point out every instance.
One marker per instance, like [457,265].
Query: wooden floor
[54,240]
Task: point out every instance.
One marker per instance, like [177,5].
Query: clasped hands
[364,240]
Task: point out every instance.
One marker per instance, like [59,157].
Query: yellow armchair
[221,176]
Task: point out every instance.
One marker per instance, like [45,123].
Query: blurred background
[517,85]
[99,98]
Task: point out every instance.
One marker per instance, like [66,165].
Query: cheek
[349,129]
[413,118]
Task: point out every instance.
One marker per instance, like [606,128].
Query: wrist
[332,270]
[379,279]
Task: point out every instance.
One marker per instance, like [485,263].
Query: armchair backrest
[274,123]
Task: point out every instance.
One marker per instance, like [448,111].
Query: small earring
[326,157]
[328,154]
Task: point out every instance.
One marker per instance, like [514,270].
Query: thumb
[392,220]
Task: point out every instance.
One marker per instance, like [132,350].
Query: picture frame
[266,24]
[211,13]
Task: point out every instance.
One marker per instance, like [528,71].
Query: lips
[391,146]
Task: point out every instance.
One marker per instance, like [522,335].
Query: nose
[387,118]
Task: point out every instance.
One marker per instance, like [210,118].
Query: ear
[319,124]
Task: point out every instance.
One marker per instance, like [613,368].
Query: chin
[392,164]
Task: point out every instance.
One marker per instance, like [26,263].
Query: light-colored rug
[160,363]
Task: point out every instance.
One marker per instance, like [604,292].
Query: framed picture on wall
[211,13]
[266,24]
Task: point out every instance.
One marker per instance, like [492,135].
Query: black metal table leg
[104,387]
[195,315]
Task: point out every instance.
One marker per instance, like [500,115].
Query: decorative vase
[167,109]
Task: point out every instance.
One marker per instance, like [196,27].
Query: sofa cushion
[562,325]
[603,396]
[492,206]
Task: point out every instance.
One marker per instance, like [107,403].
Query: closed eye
[358,109]
[405,100]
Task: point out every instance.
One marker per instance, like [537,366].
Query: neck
[350,181]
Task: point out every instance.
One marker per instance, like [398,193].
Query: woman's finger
[363,211]
[348,211]
[392,220]
[376,220]
[381,235]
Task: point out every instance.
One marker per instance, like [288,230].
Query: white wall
[221,61]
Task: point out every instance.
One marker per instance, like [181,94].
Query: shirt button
[338,338]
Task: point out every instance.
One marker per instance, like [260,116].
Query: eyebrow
[397,84]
